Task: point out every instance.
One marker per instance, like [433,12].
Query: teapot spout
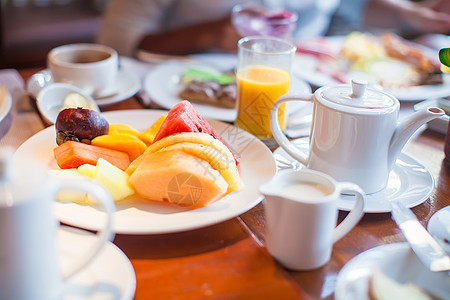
[407,128]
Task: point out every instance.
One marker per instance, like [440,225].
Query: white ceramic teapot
[355,133]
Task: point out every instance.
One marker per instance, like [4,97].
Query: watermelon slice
[183,117]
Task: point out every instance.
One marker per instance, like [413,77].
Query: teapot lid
[358,95]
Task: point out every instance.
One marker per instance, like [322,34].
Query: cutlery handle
[422,243]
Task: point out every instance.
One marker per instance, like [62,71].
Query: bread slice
[208,86]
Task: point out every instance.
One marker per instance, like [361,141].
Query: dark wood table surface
[228,260]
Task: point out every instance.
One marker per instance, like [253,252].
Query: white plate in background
[305,68]
[162,84]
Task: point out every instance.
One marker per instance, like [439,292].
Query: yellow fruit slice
[149,134]
[87,170]
[124,142]
[70,196]
[193,137]
[113,179]
[215,158]
[117,128]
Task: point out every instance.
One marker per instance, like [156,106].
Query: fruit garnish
[444,56]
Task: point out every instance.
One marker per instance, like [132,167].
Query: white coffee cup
[301,214]
[29,266]
[91,67]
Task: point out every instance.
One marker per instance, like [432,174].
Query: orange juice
[258,87]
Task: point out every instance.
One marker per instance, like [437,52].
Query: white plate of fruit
[136,214]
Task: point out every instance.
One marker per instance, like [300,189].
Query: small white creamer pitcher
[355,135]
[301,214]
[29,266]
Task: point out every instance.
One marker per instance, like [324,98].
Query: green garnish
[194,74]
[444,56]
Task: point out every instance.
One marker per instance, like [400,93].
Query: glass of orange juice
[263,75]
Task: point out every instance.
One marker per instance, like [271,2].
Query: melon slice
[178,178]
[184,118]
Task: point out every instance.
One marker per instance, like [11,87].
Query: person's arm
[197,38]
[423,17]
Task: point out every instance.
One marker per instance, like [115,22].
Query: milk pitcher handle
[278,135]
[355,214]
[105,234]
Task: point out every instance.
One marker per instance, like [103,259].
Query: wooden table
[229,261]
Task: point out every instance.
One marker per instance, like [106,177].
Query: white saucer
[126,85]
[109,276]
[439,227]
[410,182]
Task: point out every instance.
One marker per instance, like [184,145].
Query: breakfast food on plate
[390,60]
[184,118]
[186,164]
[208,86]
[179,159]
[387,60]
[112,178]
[80,125]
[124,142]
[73,154]
[382,287]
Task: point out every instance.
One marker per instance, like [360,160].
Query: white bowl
[51,100]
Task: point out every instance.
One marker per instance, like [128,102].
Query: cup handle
[105,234]
[355,214]
[278,135]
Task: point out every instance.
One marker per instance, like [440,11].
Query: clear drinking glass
[263,75]
[250,19]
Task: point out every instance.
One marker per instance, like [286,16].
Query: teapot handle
[105,234]
[278,135]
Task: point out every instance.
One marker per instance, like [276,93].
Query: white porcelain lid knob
[358,87]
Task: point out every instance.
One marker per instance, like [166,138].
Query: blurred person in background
[181,27]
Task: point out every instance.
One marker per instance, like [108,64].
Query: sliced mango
[149,134]
[124,142]
[117,128]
